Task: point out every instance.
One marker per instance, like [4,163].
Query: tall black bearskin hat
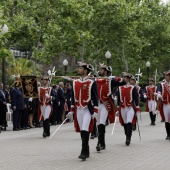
[125,74]
[86,66]
[151,79]
[107,68]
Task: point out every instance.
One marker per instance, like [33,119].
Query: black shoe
[48,134]
[152,124]
[98,147]
[127,141]
[44,135]
[15,129]
[83,157]
[102,147]
[167,138]
[91,137]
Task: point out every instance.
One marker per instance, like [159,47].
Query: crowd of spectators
[25,110]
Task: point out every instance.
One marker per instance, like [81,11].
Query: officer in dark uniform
[17,103]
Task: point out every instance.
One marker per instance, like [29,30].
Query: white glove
[69,115]
[155,94]
[111,77]
[117,113]
[159,96]
[137,113]
[94,115]
[30,99]
[145,96]
[47,95]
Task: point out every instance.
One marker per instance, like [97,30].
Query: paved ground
[27,150]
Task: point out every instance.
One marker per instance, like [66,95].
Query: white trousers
[166,109]
[127,114]
[152,106]
[45,110]
[102,114]
[83,118]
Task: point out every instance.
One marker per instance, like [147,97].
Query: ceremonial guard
[149,95]
[45,107]
[128,106]
[106,103]
[164,95]
[84,106]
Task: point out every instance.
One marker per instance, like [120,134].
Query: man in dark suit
[3,107]
[17,103]
[61,98]
[54,105]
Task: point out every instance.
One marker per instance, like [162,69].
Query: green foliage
[133,31]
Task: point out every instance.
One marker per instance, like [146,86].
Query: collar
[127,84]
[168,83]
[84,78]
[151,85]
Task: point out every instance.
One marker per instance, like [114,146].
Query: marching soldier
[84,106]
[128,106]
[149,95]
[106,103]
[45,105]
[164,95]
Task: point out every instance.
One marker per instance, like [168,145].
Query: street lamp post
[3,31]
[65,63]
[148,64]
[108,55]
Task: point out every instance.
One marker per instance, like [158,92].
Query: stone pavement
[27,150]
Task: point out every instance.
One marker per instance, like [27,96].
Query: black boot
[151,117]
[125,129]
[85,145]
[167,127]
[48,127]
[154,119]
[45,128]
[129,133]
[101,138]
[98,147]
[94,133]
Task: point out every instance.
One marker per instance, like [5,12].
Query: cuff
[119,79]
[95,109]
[72,108]
[137,109]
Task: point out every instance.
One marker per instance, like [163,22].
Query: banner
[29,86]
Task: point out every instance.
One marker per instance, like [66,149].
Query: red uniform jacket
[43,100]
[149,92]
[128,97]
[104,92]
[84,95]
